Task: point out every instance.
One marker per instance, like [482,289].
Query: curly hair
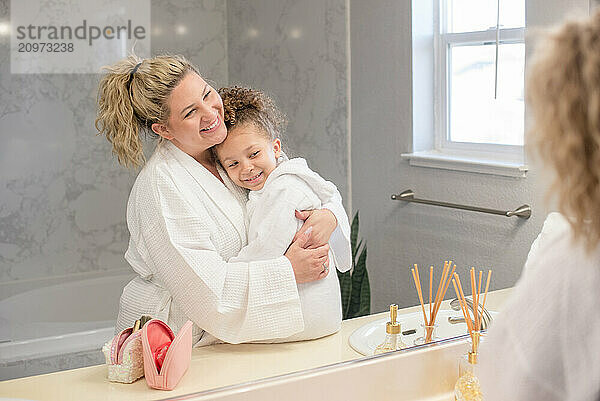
[563,94]
[250,106]
[129,103]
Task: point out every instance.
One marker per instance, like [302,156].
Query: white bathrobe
[184,224]
[545,344]
[272,226]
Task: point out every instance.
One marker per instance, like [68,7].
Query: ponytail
[132,97]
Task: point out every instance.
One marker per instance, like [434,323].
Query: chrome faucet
[486,318]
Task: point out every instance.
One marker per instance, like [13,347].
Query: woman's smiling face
[196,117]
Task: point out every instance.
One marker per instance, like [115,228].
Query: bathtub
[70,318]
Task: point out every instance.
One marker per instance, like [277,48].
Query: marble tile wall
[62,193]
[297,51]
[196,29]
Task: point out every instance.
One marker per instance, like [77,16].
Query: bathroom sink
[364,339]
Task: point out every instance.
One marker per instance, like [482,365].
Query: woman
[186,217]
[545,345]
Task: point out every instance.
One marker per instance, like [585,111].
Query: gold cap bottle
[393,327]
[393,338]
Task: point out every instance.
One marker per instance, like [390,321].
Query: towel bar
[523,211]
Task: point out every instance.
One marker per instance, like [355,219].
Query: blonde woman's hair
[130,100]
[563,94]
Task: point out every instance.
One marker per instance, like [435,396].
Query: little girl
[252,157]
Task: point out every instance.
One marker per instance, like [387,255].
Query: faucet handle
[486,317]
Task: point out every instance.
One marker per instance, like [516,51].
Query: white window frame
[442,43]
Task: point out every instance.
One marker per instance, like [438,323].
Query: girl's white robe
[272,226]
[184,225]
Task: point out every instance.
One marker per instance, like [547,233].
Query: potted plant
[354,284]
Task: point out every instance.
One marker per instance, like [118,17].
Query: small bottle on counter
[393,336]
[467,386]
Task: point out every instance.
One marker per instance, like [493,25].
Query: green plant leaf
[357,249]
[365,296]
[358,276]
[361,263]
[354,234]
[354,284]
[346,291]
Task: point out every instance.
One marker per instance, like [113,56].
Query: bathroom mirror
[341,70]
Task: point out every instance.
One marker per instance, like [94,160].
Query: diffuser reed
[467,387]
[474,324]
[434,304]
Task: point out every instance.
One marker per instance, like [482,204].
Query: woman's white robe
[272,226]
[184,224]
[545,343]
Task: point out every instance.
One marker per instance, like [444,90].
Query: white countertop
[211,367]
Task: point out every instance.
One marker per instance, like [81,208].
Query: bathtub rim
[17,351]
[89,340]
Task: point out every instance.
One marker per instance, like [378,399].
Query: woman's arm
[235,302]
[273,225]
[330,225]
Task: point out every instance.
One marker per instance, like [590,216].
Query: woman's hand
[323,223]
[308,264]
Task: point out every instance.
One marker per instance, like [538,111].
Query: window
[479,69]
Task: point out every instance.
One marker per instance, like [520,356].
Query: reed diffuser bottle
[429,325]
[393,337]
[467,386]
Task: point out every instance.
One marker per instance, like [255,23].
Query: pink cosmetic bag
[124,356]
[166,356]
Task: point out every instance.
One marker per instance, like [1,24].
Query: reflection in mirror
[62,217]
[451,324]
[64,197]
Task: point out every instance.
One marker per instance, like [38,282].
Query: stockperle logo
[68,36]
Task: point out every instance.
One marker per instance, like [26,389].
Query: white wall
[398,234]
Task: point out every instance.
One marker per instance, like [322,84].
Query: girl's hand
[308,264]
[323,223]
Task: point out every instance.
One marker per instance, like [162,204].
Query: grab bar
[523,211]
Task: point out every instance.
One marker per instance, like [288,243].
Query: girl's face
[196,117]
[248,156]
